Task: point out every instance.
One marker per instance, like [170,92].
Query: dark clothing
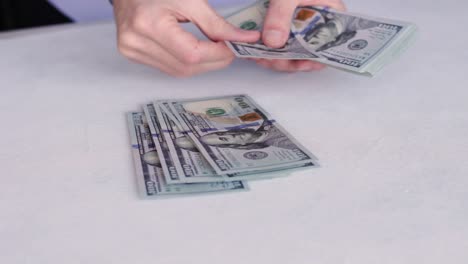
[16,14]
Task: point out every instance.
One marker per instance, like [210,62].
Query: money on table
[351,42]
[150,176]
[206,145]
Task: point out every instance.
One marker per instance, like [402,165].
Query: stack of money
[188,147]
[351,42]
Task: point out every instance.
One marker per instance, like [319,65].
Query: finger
[278,22]
[283,66]
[140,58]
[186,47]
[155,51]
[278,65]
[291,65]
[306,65]
[278,19]
[217,28]
[133,42]
[210,66]
[264,63]
[151,54]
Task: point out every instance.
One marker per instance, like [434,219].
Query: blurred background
[19,14]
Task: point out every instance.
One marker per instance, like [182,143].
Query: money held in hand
[350,42]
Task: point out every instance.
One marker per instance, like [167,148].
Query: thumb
[277,23]
[217,28]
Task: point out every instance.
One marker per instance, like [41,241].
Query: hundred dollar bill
[185,142]
[251,18]
[150,176]
[235,135]
[164,106]
[188,164]
[167,163]
[356,43]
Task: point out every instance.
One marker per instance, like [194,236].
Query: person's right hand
[149,33]
[276,32]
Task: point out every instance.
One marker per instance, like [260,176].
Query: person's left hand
[276,32]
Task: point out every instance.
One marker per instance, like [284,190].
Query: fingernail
[274,38]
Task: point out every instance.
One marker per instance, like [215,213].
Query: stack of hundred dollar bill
[188,147]
[355,43]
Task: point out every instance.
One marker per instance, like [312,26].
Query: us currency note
[251,175]
[351,42]
[235,135]
[149,173]
[188,162]
[168,165]
[252,18]
[164,105]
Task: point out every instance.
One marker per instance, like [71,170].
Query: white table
[393,187]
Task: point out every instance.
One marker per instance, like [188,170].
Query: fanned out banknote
[236,135]
[150,175]
[351,42]
[206,145]
[184,141]
[186,164]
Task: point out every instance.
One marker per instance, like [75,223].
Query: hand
[149,33]
[276,31]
